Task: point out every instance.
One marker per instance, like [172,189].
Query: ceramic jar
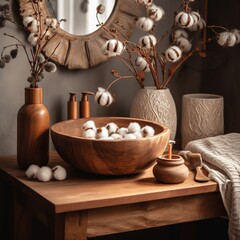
[170,170]
[202,116]
[33,130]
[156,105]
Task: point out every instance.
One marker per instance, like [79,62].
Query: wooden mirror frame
[83,52]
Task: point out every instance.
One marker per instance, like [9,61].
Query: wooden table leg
[76,224]
[70,226]
[21,219]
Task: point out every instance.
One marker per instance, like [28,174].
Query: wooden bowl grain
[108,157]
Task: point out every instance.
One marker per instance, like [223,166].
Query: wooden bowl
[108,157]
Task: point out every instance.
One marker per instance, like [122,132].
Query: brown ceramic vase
[170,170]
[33,123]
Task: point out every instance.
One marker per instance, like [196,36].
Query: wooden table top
[85,191]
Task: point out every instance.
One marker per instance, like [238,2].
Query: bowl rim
[165,129]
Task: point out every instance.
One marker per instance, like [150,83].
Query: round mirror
[82,51]
[80,15]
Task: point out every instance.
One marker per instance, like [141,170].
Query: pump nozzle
[72,96]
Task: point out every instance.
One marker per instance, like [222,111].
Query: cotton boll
[89,133]
[138,134]
[31,24]
[44,174]
[184,20]
[50,67]
[116,136]
[147,131]
[59,173]
[101,9]
[134,127]
[130,136]
[156,13]
[148,41]
[237,34]
[112,128]
[198,26]
[173,54]
[27,21]
[41,58]
[32,171]
[179,33]
[196,17]
[232,39]
[103,97]
[227,39]
[90,124]
[33,39]
[145,24]
[122,131]
[142,64]
[113,47]
[52,23]
[184,44]
[102,133]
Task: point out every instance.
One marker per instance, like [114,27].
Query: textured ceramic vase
[33,130]
[202,116]
[156,105]
[170,170]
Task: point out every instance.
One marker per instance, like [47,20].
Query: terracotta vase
[33,123]
[202,116]
[156,105]
[170,170]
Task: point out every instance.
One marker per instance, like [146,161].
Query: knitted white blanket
[221,158]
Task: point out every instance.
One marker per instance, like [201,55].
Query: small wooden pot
[170,170]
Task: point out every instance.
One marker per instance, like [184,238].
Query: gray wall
[56,86]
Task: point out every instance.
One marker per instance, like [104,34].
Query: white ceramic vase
[156,105]
[202,116]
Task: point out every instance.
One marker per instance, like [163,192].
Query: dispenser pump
[85,105]
[72,108]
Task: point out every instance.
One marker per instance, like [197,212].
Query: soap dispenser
[72,106]
[84,106]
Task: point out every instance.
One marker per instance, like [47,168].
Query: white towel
[221,158]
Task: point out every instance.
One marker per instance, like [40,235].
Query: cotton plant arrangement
[40,33]
[145,56]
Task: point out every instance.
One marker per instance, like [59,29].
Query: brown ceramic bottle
[33,130]
[84,106]
[72,106]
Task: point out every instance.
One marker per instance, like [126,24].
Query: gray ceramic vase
[156,105]
[202,116]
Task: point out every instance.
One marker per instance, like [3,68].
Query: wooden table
[85,205]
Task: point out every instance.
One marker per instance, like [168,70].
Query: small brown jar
[170,170]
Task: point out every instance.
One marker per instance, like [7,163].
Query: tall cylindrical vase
[33,123]
[202,116]
[156,105]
